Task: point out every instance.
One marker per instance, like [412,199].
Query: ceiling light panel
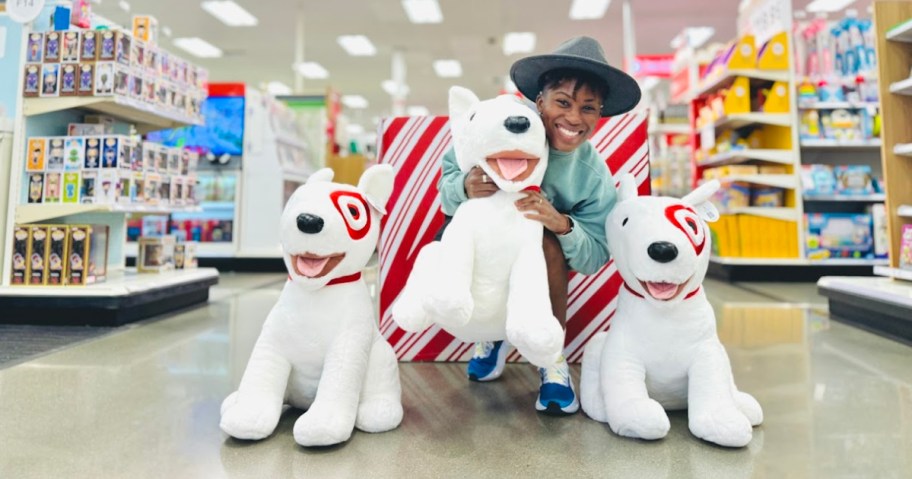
[518,42]
[828,6]
[448,68]
[588,9]
[198,47]
[354,101]
[230,13]
[357,45]
[311,70]
[423,11]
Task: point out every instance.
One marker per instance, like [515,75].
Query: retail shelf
[785,214]
[903,149]
[670,129]
[840,144]
[780,181]
[33,213]
[901,32]
[145,117]
[203,250]
[876,198]
[896,273]
[905,211]
[879,305]
[739,120]
[837,105]
[725,79]
[119,283]
[798,261]
[785,157]
[903,87]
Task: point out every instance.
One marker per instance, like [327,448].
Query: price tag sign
[24,11]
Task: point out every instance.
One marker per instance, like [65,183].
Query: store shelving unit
[874,144]
[125,295]
[884,304]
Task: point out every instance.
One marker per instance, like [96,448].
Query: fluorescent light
[198,47]
[389,86]
[694,37]
[518,42]
[229,13]
[277,88]
[826,6]
[448,68]
[312,70]
[354,101]
[123,5]
[417,111]
[423,11]
[357,45]
[588,9]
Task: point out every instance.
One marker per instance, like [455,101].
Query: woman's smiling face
[570,114]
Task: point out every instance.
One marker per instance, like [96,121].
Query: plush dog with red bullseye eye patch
[662,351]
[320,348]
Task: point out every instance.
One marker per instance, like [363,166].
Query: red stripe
[610,134]
[591,309]
[616,132]
[430,351]
[460,351]
[392,129]
[410,131]
[625,151]
[345,279]
[605,325]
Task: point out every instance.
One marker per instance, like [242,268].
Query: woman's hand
[536,207]
[478,184]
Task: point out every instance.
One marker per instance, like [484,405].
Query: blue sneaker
[488,362]
[556,395]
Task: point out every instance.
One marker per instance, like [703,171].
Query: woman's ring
[484,178]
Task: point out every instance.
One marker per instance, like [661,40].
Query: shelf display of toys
[117,64]
[109,169]
[905,248]
[59,255]
[746,236]
[840,124]
[165,253]
[839,235]
[842,180]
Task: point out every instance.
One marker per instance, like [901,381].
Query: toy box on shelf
[414,146]
[59,255]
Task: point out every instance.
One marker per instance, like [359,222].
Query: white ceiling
[471,32]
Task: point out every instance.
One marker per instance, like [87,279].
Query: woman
[572,88]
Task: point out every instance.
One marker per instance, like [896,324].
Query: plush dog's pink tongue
[512,167]
[310,267]
[662,291]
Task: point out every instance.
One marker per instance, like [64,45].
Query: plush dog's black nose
[517,124]
[310,224]
[663,251]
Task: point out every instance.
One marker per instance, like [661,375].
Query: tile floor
[144,400]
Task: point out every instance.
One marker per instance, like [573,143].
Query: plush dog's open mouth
[663,291]
[513,165]
[311,265]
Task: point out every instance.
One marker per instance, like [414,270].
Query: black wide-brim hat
[579,53]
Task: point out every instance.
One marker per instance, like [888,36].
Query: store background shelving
[124,295]
[884,304]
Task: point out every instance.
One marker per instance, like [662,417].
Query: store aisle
[144,402]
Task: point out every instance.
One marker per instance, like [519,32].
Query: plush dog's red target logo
[687,220]
[354,210]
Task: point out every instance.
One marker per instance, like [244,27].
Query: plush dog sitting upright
[662,351]
[486,279]
[320,348]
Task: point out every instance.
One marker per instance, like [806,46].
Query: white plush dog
[320,348]
[486,279]
[662,351]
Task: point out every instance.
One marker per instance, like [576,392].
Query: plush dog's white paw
[723,425]
[379,415]
[540,342]
[410,315]
[322,428]
[450,307]
[749,407]
[642,418]
[250,419]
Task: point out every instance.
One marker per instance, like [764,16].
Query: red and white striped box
[415,146]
